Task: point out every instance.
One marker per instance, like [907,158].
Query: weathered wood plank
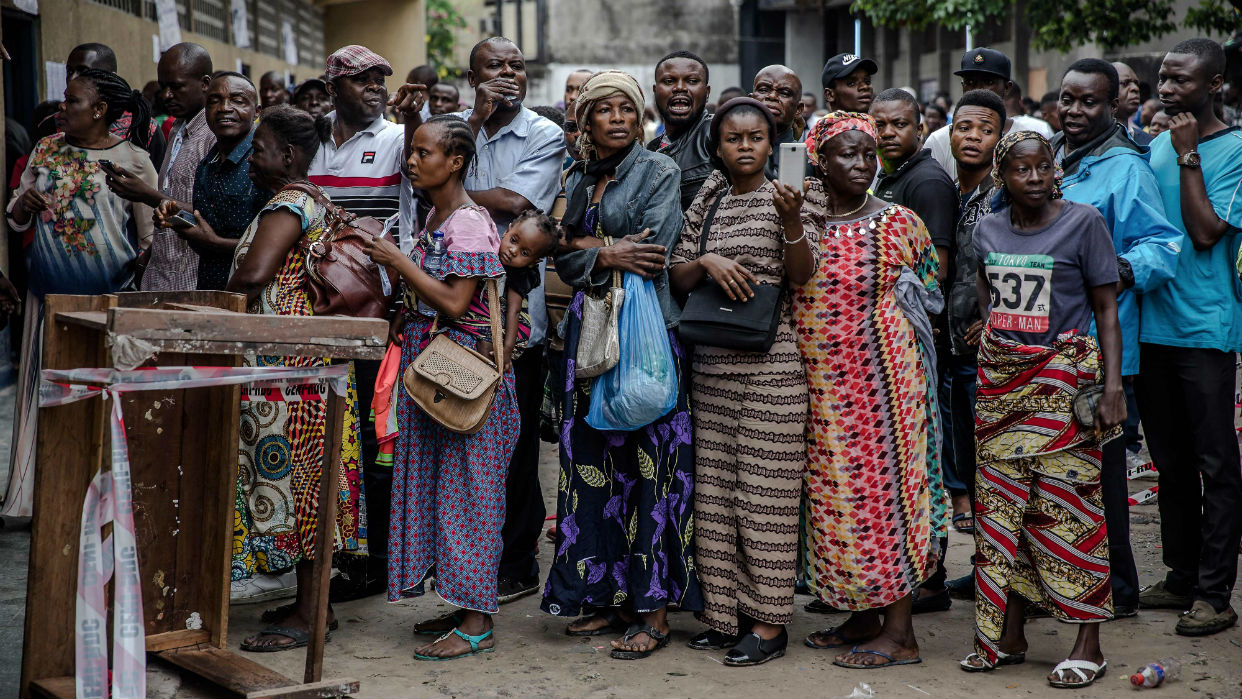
[232,672]
[70,447]
[176,639]
[96,320]
[325,689]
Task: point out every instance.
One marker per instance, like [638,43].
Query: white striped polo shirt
[363,175]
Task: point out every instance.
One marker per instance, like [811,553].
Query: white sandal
[1002,658]
[1077,667]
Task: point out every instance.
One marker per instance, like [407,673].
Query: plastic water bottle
[1155,674]
[433,262]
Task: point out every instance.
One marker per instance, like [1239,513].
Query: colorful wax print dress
[282,443]
[874,501]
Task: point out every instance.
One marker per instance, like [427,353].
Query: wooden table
[184,460]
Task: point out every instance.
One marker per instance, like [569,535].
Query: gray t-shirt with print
[1041,280]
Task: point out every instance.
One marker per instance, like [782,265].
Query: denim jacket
[644,194]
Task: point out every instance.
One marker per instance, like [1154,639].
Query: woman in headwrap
[749,406]
[624,536]
[875,507]
[1047,269]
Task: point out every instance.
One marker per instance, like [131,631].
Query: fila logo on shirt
[368,157]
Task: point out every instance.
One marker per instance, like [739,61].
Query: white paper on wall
[170,27]
[56,77]
[155,48]
[241,27]
[291,44]
[30,6]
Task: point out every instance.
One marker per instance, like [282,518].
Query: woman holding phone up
[748,406]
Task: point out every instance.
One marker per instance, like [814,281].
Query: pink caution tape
[1143,496]
[109,498]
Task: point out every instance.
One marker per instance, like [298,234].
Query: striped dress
[875,505]
[749,411]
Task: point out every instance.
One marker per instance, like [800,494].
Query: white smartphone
[792,170]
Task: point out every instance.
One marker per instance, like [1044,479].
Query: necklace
[866,198]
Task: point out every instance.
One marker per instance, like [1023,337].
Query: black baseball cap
[843,64]
[984,60]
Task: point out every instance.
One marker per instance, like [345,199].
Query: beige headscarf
[602,85]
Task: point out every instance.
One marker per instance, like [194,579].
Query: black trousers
[376,480]
[1186,398]
[1116,496]
[524,508]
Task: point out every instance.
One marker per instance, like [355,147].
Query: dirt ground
[535,659]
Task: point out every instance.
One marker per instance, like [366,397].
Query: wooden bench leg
[322,569]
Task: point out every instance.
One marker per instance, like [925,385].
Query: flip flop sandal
[282,612]
[474,642]
[834,631]
[961,528]
[615,624]
[1001,659]
[891,660]
[299,637]
[456,618]
[1077,667]
[661,640]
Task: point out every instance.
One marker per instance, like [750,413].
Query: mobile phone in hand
[792,165]
[108,165]
[182,220]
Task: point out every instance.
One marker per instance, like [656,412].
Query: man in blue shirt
[225,199]
[1105,168]
[1191,333]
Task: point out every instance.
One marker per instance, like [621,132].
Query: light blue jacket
[1116,179]
[645,193]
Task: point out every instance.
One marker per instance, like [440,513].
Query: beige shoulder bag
[456,385]
[599,344]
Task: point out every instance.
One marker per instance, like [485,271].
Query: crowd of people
[966,310]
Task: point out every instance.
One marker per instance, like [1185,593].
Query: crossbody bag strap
[493,311]
[707,222]
[335,214]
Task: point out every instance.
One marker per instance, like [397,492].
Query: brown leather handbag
[456,385]
[341,278]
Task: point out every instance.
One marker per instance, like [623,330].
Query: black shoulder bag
[711,318]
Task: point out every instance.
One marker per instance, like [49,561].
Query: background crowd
[967,312]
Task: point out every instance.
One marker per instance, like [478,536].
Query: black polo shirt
[924,187]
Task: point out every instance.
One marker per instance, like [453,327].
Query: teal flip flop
[474,642]
[891,660]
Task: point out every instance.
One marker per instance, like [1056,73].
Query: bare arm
[278,232]
[514,308]
[450,297]
[1203,226]
[799,263]
[942,256]
[500,201]
[1112,408]
[984,291]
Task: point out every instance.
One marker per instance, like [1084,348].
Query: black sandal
[661,640]
[614,625]
[279,614]
[450,621]
[712,639]
[754,650]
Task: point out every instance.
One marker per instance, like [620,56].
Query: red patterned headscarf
[835,124]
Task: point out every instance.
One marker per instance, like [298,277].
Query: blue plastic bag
[642,387]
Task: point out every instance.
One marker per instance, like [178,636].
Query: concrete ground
[535,659]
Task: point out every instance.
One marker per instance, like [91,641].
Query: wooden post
[322,570]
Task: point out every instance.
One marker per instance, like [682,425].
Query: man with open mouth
[681,91]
